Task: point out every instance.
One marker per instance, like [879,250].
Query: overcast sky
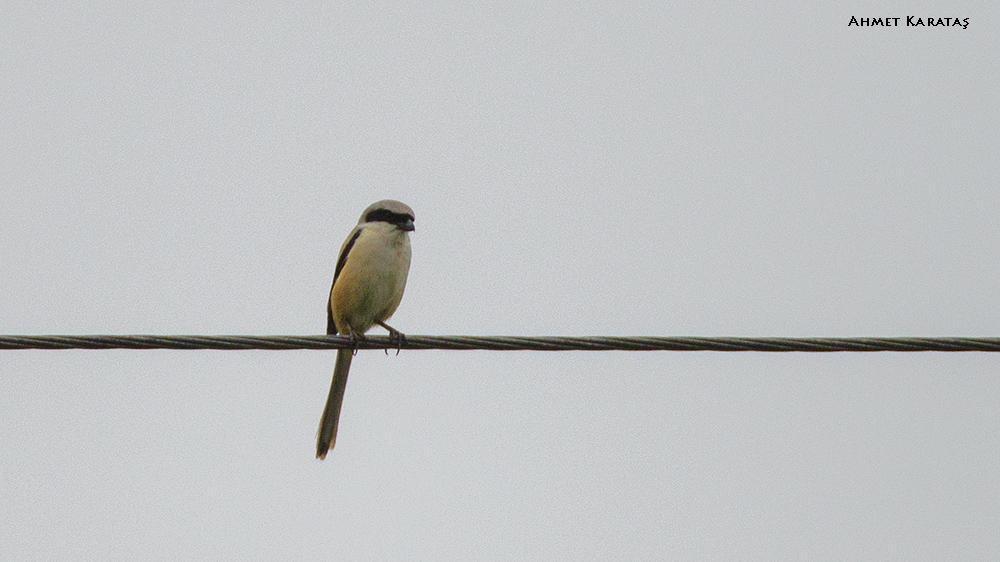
[576,168]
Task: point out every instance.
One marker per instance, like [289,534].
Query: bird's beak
[406,225]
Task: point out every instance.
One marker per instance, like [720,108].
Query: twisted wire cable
[506,343]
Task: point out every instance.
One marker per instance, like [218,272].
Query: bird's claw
[354,338]
[396,338]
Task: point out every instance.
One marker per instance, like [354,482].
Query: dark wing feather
[331,328]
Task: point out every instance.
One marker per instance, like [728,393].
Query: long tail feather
[331,415]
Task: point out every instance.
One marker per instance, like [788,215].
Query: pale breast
[371,284]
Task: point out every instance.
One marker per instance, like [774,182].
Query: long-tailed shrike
[367,287]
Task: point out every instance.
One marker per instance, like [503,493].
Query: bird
[368,285]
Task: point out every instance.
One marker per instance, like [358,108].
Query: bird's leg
[355,338]
[395,336]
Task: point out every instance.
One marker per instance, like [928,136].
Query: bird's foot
[355,338]
[395,337]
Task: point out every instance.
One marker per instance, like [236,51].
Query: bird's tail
[328,423]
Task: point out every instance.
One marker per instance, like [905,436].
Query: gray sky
[576,169]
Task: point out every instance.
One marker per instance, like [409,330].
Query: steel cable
[506,343]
